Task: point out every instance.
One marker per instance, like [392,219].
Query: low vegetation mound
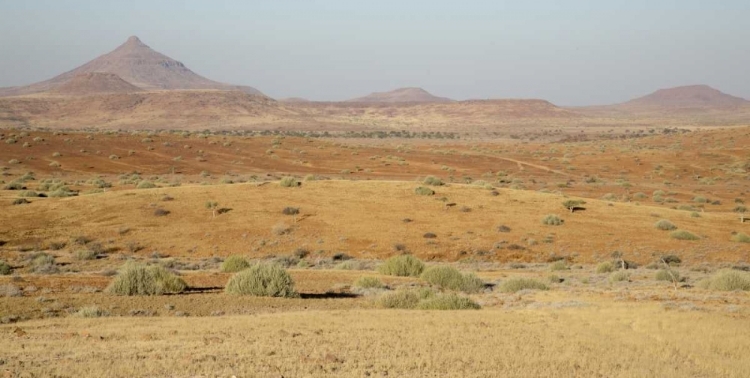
[514,285]
[552,220]
[448,301]
[432,180]
[425,299]
[727,280]
[234,264]
[424,191]
[368,282]
[619,276]
[402,266]
[448,277]
[683,235]
[605,267]
[667,275]
[262,280]
[140,279]
[665,225]
[5,269]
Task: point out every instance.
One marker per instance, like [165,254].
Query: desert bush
[263,280]
[667,275]
[432,180]
[683,235]
[161,212]
[140,279]
[402,266]
[281,229]
[90,312]
[558,265]
[619,276]
[741,237]
[368,282]
[5,269]
[28,193]
[671,259]
[10,290]
[20,201]
[43,264]
[289,182]
[424,191]
[448,301]
[552,220]
[85,254]
[517,284]
[234,264]
[349,265]
[665,225]
[700,199]
[404,298]
[448,277]
[290,211]
[146,185]
[605,267]
[727,280]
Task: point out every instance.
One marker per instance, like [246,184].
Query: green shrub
[140,279]
[667,275]
[28,193]
[146,185]
[289,182]
[20,201]
[349,265]
[619,276]
[367,282]
[234,264]
[424,191]
[683,235]
[558,265]
[517,284]
[262,280]
[432,180]
[448,301]
[699,199]
[605,267]
[448,277]
[62,192]
[404,299]
[665,225]
[402,266]
[741,238]
[552,220]
[5,269]
[85,254]
[727,280]
[90,312]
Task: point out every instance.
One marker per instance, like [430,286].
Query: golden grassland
[362,206]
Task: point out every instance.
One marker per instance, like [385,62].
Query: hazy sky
[568,52]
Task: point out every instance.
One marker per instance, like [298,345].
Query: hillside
[401,95]
[95,83]
[694,96]
[139,65]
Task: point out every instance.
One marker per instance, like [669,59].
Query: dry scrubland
[553,297]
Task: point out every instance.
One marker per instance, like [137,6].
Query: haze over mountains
[135,86]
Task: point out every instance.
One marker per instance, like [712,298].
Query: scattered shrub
[281,229]
[85,254]
[683,235]
[558,265]
[699,199]
[20,201]
[62,192]
[667,275]
[43,264]
[671,259]
[552,220]
[263,280]
[140,279]
[234,264]
[28,193]
[503,228]
[517,284]
[727,280]
[290,211]
[90,312]
[432,180]
[349,265]
[289,182]
[619,276]
[367,282]
[10,290]
[448,277]
[605,267]
[741,238]
[146,185]
[665,225]
[5,269]
[404,299]
[448,301]
[424,191]
[402,266]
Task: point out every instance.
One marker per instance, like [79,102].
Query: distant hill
[139,65]
[95,83]
[294,100]
[694,96]
[401,95]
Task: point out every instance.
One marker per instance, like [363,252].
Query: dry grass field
[189,202]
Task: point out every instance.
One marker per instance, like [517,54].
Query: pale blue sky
[568,52]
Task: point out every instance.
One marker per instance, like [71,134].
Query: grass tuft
[683,235]
[665,225]
[140,279]
[402,266]
[262,280]
[448,277]
[517,284]
[234,264]
[727,280]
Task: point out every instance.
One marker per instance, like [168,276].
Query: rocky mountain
[401,95]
